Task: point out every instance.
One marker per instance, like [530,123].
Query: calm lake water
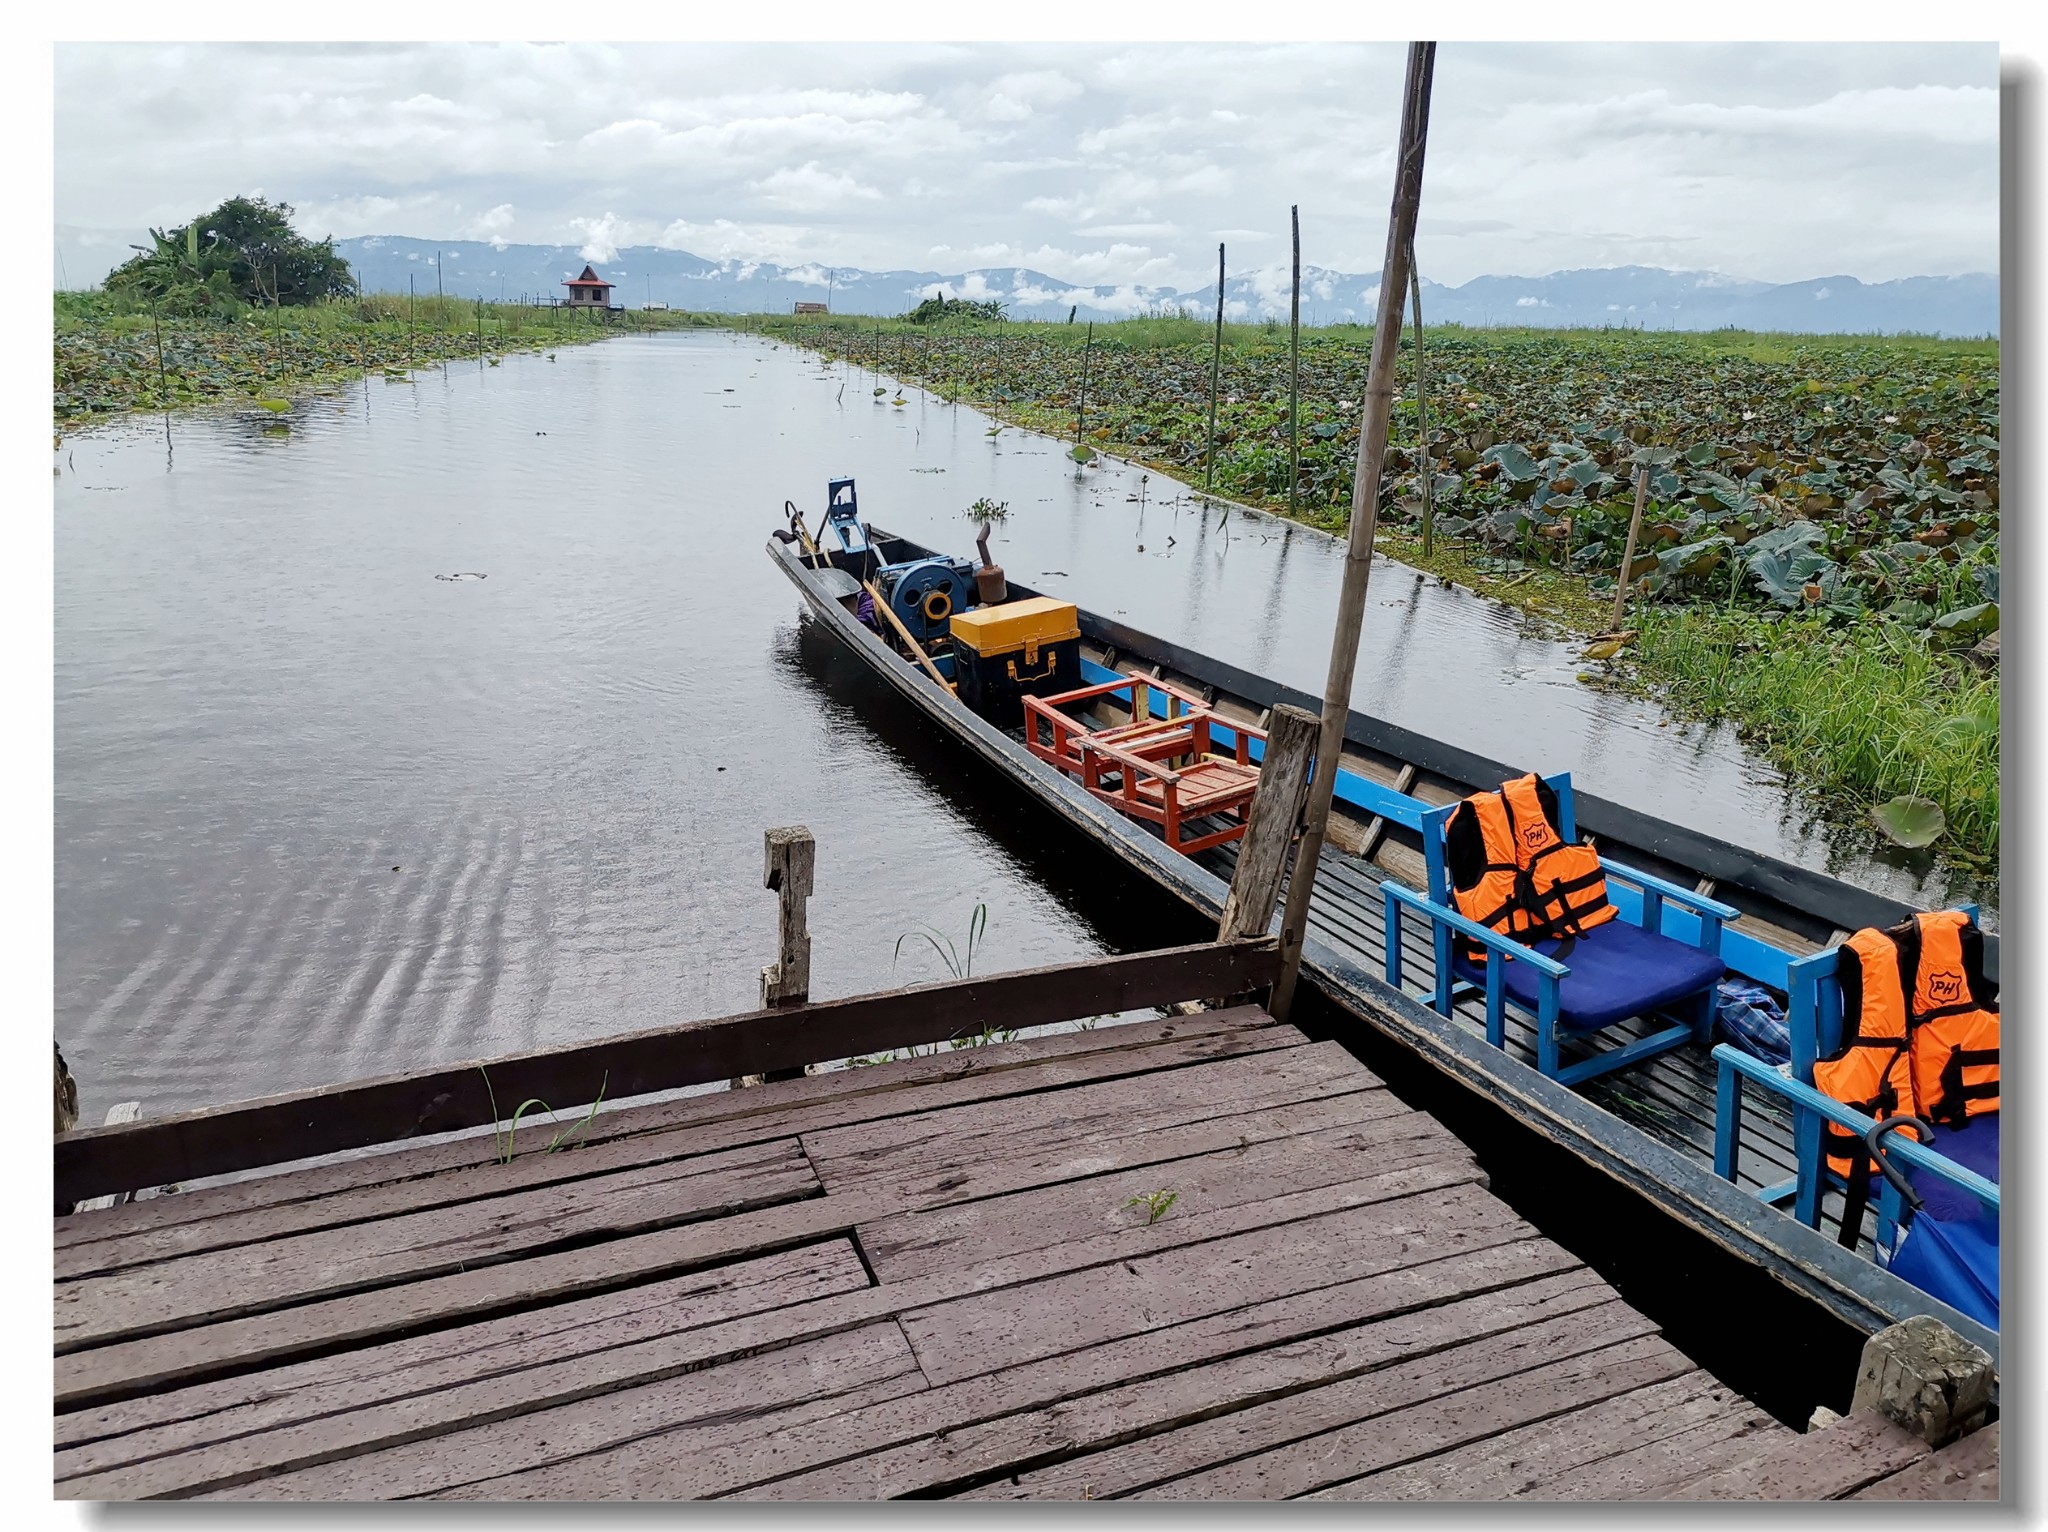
[322,812]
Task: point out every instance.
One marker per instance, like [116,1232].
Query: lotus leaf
[1909,821]
[1969,622]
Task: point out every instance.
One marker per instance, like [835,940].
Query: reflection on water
[320,814]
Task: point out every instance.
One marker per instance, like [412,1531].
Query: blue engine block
[925,593]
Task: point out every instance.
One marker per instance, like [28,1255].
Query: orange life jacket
[1511,869]
[1953,1018]
[1919,1027]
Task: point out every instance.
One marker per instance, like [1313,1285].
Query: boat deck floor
[1194,1257]
[1670,1096]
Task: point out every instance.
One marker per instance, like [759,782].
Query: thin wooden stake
[1365,503]
[1421,409]
[1081,405]
[163,383]
[1215,371]
[1628,554]
[1294,373]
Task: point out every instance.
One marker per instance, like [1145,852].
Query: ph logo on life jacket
[1945,987]
[1533,835]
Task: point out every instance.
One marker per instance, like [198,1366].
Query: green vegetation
[243,252]
[1155,1204]
[503,1134]
[942,309]
[1820,547]
[108,358]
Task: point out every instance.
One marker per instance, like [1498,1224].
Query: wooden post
[1926,1378]
[789,866]
[126,1111]
[1365,504]
[1275,815]
[1628,555]
[1215,373]
[1421,409]
[1294,371]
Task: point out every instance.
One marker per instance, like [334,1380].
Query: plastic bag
[1750,1017]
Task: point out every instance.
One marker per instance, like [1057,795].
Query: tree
[244,251]
[938,310]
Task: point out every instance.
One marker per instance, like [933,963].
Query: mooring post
[1269,831]
[1923,1376]
[789,866]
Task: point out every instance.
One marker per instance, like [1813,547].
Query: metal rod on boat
[1365,501]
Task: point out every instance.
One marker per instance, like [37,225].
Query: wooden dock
[1187,1254]
[938,1276]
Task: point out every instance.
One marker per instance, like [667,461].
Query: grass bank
[113,355]
[1819,552]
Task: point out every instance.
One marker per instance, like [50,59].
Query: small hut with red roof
[589,291]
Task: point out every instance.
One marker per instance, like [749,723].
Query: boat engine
[842,521]
[925,593]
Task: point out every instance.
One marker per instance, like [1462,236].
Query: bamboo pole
[1365,500]
[1081,404]
[1628,554]
[1421,409]
[1215,371]
[1294,372]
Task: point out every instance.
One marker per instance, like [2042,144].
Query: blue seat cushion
[1617,971]
[1974,1146]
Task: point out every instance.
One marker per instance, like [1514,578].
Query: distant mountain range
[1636,296]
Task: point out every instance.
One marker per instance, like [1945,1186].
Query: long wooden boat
[1650,1127]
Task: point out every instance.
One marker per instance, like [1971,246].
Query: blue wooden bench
[1814,1019]
[1661,957]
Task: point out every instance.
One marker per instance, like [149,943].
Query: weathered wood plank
[1963,1470]
[389,1198]
[1366,1323]
[249,1279]
[1269,828]
[982,1069]
[397,1420]
[987,1331]
[155,1425]
[1235,1170]
[1736,1435]
[1329,1464]
[790,1386]
[189,1145]
[1821,1465]
[115,1370]
[1547,1454]
[932,1145]
[1189,1424]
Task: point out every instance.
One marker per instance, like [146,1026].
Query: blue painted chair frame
[1643,900]
[1814,1107]
[1813,1016]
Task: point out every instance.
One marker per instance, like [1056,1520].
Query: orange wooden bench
[1165,770]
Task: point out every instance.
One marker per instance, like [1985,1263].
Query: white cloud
[603,236]
[1774,161]
[810,188]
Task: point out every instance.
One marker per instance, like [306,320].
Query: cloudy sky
[1093,162]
